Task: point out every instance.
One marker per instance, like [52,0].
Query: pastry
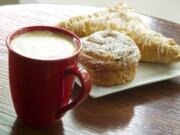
[85,25]
[110,57]
[154,47]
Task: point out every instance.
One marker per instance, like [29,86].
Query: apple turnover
[154,47]
[110,57]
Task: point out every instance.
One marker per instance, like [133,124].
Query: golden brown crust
[110,78]
[154,46]
[85,25]
[106,73]
[92,62]
[106,65]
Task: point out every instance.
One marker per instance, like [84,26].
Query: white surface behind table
[167,9]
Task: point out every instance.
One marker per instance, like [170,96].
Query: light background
[167,9]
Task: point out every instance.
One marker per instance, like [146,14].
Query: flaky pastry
[110,57]
[154,47]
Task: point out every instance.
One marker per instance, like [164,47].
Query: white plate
[147,73]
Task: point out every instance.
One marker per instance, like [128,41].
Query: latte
[45,45]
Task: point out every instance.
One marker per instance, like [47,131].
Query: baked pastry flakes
[110,57]
[154,47]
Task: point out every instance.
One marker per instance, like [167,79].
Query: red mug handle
[86,83]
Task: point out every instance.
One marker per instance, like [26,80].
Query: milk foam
[44,45]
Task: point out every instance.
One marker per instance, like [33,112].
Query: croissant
[154,47]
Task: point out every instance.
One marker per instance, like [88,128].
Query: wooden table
[151,109]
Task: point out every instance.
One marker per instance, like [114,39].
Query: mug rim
[27,29]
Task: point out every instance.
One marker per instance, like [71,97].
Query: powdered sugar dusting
[114,44]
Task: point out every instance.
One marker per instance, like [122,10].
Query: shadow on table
[20,129]
[117,110]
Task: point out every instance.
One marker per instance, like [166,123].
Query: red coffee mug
[41,89]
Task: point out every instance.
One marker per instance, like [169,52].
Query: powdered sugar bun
[110,57]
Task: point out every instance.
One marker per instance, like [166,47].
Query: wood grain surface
[147,110]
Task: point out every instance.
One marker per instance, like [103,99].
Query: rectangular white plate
[147,73]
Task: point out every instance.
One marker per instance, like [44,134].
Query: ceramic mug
[41,89]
